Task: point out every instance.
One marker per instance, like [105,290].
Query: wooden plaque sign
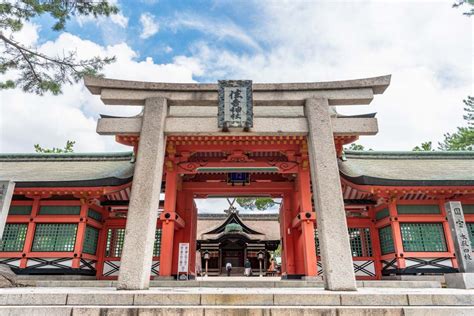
[235,104]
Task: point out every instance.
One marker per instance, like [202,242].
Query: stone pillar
[462,248]
[136,261]
[327,194]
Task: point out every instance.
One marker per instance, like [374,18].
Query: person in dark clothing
[228,267]
[248,267]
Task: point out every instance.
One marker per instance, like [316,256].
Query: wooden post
[307,226]
[396,234]
[81,234]
[30,233]
[168,222]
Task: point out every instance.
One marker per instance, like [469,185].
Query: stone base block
[312,278]
[237,311]
[460,280]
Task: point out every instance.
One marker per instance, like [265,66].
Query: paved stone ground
[207,301]
[239,278]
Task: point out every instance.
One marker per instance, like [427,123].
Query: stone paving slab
[236,296]
[234,310]
[234,282]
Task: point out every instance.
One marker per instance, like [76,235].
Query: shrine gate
[287,142]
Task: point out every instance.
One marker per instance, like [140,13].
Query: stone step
[235,297]
[247,283]
[234,310]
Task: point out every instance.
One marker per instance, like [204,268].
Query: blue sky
[427,46]
[180,25]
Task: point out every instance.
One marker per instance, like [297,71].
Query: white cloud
[27,119]
[119,19]
[219,28]
[427,47]
[149,25]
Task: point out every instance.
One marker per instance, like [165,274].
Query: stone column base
[312,278]
[460,280]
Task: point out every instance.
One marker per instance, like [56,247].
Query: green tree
[357,147]
[259,203]
[69,148]
[32,70]
[468,3]
[463,138]
[426,146]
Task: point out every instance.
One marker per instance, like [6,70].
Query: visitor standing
[228,267]
[248,267]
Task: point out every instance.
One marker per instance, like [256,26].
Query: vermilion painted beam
[262,187]
[246,146]
[187,167]
[428,254]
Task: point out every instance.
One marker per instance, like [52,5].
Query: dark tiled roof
[67,170]
[360,167]
[412,168]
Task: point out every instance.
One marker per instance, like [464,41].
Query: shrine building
[344,215]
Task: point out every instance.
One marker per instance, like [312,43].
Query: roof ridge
[66,156]
[409,154]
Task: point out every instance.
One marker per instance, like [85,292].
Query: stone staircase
[207,301]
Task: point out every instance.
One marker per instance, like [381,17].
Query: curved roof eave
[374,181]
[71,184]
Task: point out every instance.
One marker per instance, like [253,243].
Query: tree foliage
[259,203]
[357,147]
[463,138]
[468,3]
[69,148]
[32,70]
[426,146]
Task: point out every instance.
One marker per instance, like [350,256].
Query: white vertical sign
[6,194]
[183,258]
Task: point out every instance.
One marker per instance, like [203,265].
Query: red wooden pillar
[307,226]
[192,231]
[447,233]
[298,256]
[179,234]
[283,234]
[30,233]
[80,235]
[374,236]
[288,262]
[168,224]
[101,244]
[396,234]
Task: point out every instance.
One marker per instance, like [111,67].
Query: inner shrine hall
[343,216]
